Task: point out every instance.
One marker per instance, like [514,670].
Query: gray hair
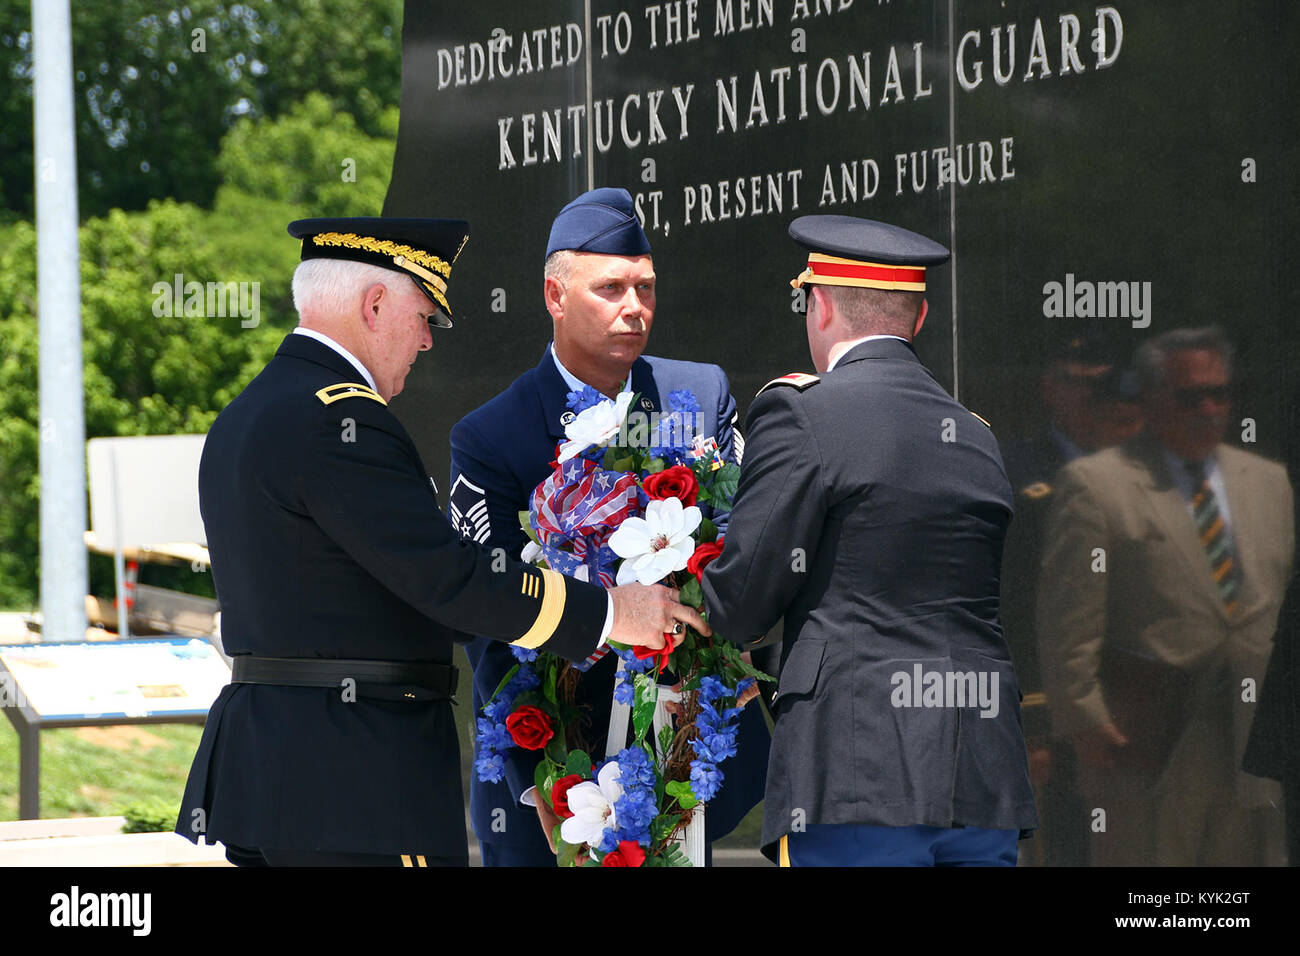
[1152,359]
[325,285]
[559,266]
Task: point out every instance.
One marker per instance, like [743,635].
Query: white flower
[595,425]
[592,805]
[532,551]
[657,544]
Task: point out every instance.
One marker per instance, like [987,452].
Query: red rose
[629,853]
[560,795]
[703,557]
[530,728]
[675,482]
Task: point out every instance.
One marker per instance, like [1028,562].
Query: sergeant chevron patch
[469,511]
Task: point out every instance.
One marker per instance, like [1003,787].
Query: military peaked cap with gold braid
[848,251]
[424,249]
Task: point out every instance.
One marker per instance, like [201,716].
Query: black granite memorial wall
[1109,171]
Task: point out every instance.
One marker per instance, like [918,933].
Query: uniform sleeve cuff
[609,620]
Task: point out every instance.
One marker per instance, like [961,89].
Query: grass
[100,771]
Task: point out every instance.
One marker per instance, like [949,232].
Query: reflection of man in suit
[1091,403]
[600,292]
[1166,563]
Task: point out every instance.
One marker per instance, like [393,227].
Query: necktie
[1214,537]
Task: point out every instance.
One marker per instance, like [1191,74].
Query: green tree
[156,89]
[145,373]
[314,157]
[164,374]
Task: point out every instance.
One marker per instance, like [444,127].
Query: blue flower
[711,689]
[583,399]
[683,400]
[717,735]
[492,735]
[624,693]
[491,768]
[636,809]
[525,679]
[525,655]
[705,780]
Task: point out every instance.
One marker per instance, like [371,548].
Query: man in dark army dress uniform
[871,513]
[600,292]
[343,588]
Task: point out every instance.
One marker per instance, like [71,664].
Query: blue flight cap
[602,220]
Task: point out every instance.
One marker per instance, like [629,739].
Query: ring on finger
[677,628]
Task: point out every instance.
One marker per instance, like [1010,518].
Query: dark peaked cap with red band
[847,251]
[424,249]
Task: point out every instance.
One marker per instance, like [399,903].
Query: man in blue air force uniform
[600,291]
[342,586]
[871,513]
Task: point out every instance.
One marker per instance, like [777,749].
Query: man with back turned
[871,513]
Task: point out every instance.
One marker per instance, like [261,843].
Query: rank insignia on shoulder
[333,393]
[799,380]
[1039,489]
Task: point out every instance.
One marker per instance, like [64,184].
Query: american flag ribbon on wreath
[573,513]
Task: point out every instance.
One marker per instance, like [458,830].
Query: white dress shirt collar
[327,341]
[850,346]
[576,384]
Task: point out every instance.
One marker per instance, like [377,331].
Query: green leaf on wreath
[555,750]
[673,855]
[681,790]
[692,595]
[663,825]
[623,464]
[530,698]
[566,853]
[543,780]
[725,482]
[666,735]
[505,680]
[655,465]
[548,690]
[735,665]
[708,532]
[527,527]
[643,706]
[578,762]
